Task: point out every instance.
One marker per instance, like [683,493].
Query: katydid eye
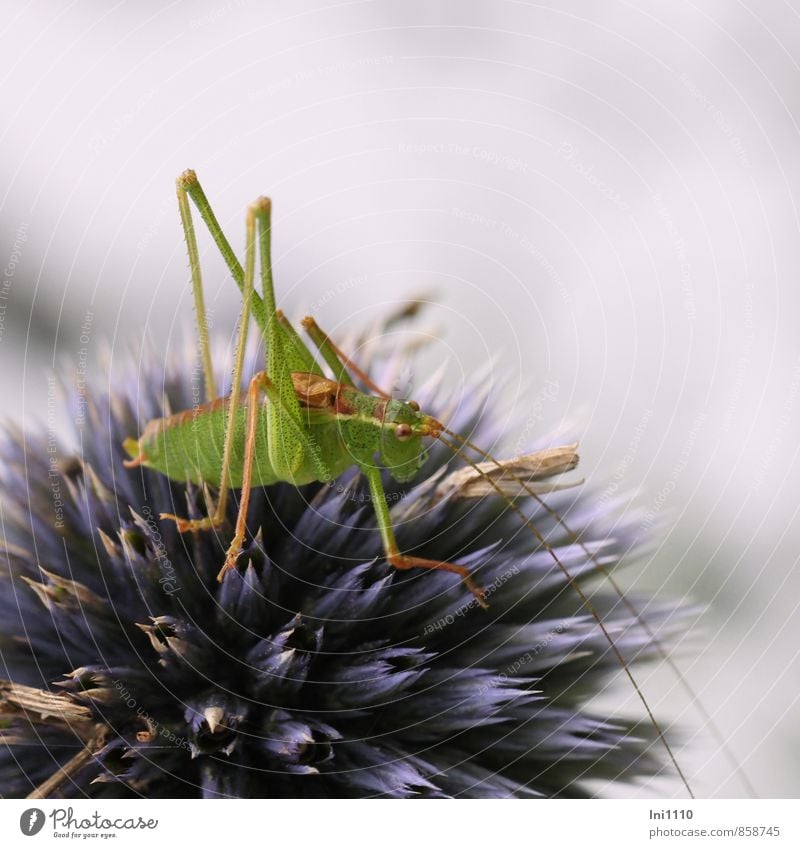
[403,432]
[414,405]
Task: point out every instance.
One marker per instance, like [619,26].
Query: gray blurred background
[602,195]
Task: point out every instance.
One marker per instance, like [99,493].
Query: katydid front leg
[403,561]
[336,359]
[259,385]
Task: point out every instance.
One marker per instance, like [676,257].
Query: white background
[602,194]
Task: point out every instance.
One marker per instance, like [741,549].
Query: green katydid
[309,428]
[298,425]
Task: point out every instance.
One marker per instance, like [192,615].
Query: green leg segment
[393,555]
[188,183]
[323,344]
[197,288]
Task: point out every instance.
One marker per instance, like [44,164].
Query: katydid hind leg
[197,289]
[190,185]
[323,344]
[297,352]
[218,517]
[285,450]
[262,385]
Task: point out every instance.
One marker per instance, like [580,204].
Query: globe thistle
[314,670]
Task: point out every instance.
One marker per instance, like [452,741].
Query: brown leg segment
[393,555]
[403,562]
[195,525]
[210,522]
[258,385]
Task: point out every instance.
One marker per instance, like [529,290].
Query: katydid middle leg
[337,360]
[260,383]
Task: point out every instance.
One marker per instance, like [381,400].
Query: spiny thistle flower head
[315,670]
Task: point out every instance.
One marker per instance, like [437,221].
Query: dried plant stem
[73,766]
[18,699]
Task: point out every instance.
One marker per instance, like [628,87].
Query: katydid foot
[403,562]
[211,522]
[194,525]
[231,558]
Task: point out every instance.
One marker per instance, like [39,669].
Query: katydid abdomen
[190,445]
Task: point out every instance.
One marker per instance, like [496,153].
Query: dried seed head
[531,470]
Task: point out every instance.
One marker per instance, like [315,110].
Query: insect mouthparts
[430,427]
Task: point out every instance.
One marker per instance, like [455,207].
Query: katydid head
[402,430]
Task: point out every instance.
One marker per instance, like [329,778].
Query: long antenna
[583,598]
[641,620]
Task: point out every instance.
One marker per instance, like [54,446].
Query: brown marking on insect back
[159,425]
[344,403]
[189,415]
[314,391]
